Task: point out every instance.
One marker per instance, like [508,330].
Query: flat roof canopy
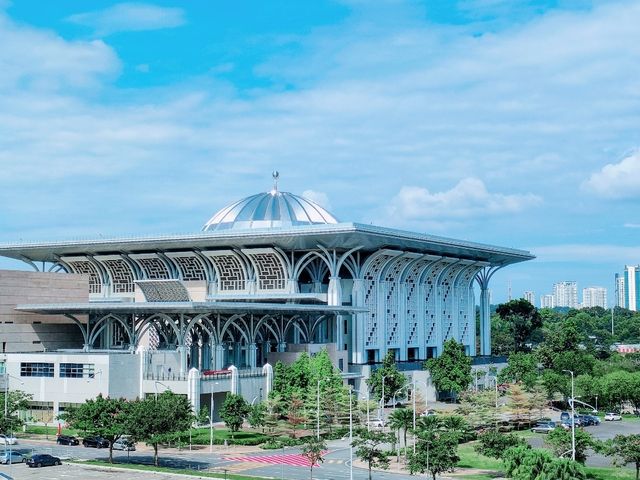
[187,307]
[341,236]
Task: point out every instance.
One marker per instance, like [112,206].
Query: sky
[506,122]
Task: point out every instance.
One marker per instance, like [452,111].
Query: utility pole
[573,418]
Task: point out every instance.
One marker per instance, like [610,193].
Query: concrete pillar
[234,380]
[267,369]
[282,346]
[485,322]
[252,354]
[218,356]
[200,355]
[182,355]
[334,292]
[193,389]
[357,323]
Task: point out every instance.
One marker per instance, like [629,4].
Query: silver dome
[272,209]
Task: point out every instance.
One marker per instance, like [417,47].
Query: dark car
[43,460]
[95,442]
[586,420]
[67,440]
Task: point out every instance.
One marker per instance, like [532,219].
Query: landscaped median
[167,470]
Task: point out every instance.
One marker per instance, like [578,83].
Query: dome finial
[276,176]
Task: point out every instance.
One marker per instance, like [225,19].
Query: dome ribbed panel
[269,210]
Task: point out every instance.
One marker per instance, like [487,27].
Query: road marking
[291,459]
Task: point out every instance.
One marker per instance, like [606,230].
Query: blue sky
[506,122]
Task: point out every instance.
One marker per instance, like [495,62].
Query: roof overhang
[187,307]
[340,236]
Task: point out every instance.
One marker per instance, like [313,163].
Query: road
[276,464]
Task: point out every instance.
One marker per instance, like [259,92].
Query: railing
[166,376]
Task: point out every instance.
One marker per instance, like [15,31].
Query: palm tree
[455,424]
[402,418]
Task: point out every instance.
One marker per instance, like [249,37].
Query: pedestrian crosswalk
[292,459]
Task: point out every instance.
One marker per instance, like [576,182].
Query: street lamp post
[573,418]
[211,423]
[155,386]
[382,403]
[318,412]
[350,433]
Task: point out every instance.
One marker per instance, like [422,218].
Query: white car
[377,423]
[8,440]
[428,413]
[124,444]
[612,417]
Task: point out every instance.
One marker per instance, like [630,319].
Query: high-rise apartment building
[566,294]
[547,301]
[632,287]
[594,297]
[529,297]
[620,291]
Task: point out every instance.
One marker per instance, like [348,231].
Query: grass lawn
[470,459]
[51,430]
[151,468]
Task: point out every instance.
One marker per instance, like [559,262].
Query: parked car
[124,444]
[11,457]
[544,427]
[377,423]
[67,440]
[8,440]
[586,420]
[43,460]
[95,442]
[428,413]
[612,417]
[595,419]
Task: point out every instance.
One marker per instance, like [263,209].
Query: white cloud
[466,199]
[631,225]
[34,59]
[617,180]
[320,198]
[130,17]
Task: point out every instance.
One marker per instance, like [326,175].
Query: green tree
[157,420]
[625,449]
[451,371]
[202,417]
[109,418]
[524,319]
[562,469]
[368,445]
[273,408]
[234,410]
[560,442]
[313,450]
[479,408]
[16,400]
[525,463]
[493,443]
[402,419]
[295,414]
[258,415]
[281,385]
[436,453]
[521,367]
[394,381]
